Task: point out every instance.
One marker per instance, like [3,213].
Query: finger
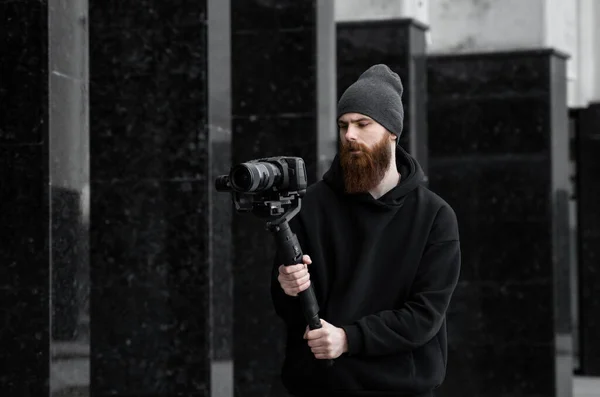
[295,285]
[319,350]
[318,343]
[315,334]
[323,356]
[285,270]
[306,259]
[303,287]
[291,268]
[287,284]
[294,291]
[296,282]
[296,275]
[323,340]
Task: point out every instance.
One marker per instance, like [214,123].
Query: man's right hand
[295,278]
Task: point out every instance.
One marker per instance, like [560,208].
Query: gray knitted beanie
[378,94]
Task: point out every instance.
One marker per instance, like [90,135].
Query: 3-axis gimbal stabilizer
[272,188]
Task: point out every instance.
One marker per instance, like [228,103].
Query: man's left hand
[327,342]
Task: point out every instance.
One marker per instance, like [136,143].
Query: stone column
[69,194]
[160,265]
[220,252]
[393,33]
[24,194]
[498,140]
[586,148]
[282,103]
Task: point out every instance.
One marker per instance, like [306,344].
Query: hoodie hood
[412,176]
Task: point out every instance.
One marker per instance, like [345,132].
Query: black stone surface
[24,66]
[279,68]
[588,196]
[25,206]
[70,266]
[150,224]
[24,258]
[496,128]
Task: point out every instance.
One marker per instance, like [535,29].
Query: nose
[351,133]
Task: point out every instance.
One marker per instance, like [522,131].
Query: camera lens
[241,178]
[255,176]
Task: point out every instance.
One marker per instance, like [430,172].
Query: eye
[362,125]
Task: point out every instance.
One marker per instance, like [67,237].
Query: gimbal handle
[291,255]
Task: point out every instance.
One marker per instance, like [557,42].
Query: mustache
[349,146]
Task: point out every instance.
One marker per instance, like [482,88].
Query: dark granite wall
[24,200]
[498,145]
[587,150]
[151,220]
[400,44]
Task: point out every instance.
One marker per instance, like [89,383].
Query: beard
[364,170]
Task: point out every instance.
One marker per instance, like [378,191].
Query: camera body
[267,186]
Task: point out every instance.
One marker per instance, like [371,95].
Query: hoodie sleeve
[288,308]
[421,316]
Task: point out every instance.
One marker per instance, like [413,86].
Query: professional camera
[266,187]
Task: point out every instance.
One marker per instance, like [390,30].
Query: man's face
[365,151]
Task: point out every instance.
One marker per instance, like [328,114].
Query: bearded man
[383,257]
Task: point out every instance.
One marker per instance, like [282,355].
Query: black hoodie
[382,269]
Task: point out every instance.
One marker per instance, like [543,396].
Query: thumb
[306,259]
